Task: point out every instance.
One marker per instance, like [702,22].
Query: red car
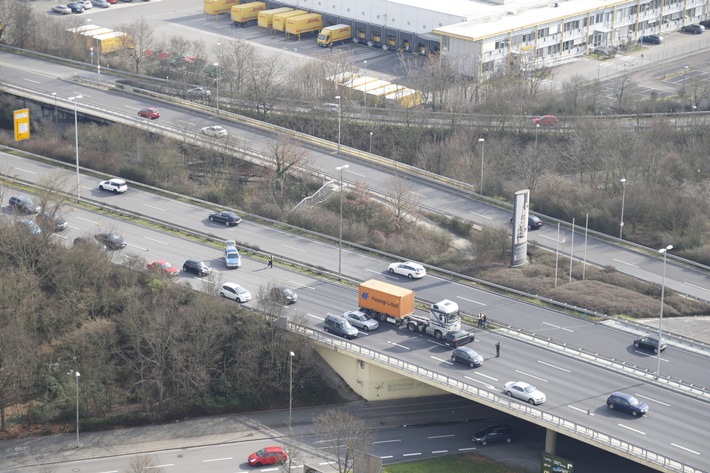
[151,113]
[112,2]
[546,120]
[163,267]
[268,456]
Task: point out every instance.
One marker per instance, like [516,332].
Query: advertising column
[520,228]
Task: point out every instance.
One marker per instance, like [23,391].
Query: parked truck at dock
[304,24]
[247,13]
[336,34]
[389,303]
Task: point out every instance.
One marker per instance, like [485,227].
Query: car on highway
[112,241]
[215,131]
[61,9]
[283,295]
[227,218]
[29,225]
[409,268]
[162,267]
[235,292]
[118,186]
[456,338]
[525,392]
[534,222]
[693,29]
[650,343]
[651,39]
[232,258]
[52,222]
[150,112]
[626,403]
[339,326]
[466,356]
[359,319]
[196,266]
[76,7]
[546,120]
[24,205]
[268,456]
[493,434]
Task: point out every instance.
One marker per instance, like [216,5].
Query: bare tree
[349,437]
[286,157]
[142,464]
[267,82]
[403,204]
[138,39]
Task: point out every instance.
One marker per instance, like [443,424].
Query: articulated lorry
[247,13]
[304,24]
[266,17]
[336,34]
[215,7]
[389,303]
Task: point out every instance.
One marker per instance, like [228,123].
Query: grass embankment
[448,464]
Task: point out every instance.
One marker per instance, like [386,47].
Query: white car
[232,290]
[215,131]
[61,9]
[360,320]
[118,186]
[410,269]
[87,4]
[524,392]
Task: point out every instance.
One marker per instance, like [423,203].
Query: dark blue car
[626,403]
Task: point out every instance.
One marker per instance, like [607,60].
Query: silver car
[360,320]
[524,392]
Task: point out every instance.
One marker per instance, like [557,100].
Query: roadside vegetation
[447,464]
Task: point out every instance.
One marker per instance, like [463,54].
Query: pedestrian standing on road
[497,349]
[480,319]
[485,321]
[270,262]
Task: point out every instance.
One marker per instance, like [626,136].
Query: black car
[51,222]
[196,266]
[651,39]
[606,51]
[112,240]
[457,338]
[705,23]
[533,222]
[199,93]
[650,343]
[283,295]
[24,204]
[694,29]
[76,7]
[227,218]
[626,403]
[493,434]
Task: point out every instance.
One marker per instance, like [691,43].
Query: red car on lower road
[151,113]
[546,120]
[268,456]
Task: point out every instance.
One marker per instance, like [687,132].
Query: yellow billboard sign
[22,124]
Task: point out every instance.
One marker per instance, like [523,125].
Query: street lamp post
[340,237]
[76,376]
[370,142]
[76,136]
[290,398]
[623,199]
[216,64]
[664,252]
[54,94]
[537,127]
[340,117]
[483,149]
[365,62]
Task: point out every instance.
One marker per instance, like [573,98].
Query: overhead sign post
[22,124]
[520,228]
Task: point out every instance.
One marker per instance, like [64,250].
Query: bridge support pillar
[550,441]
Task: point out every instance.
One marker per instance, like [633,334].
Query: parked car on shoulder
[651,39]
[546,120]
[235,292]
[214,131]
[118,186]
[339,326]
[61,9]
[493,434]
[112,241]
[409,268]
[693,29]
[163,267]
[51,222]
[650,343]
[626,403]
[466,356]
[525,392]
[268,456]
[24,205]
[150,112]
[283,295]
[197,267]
[232,258]
[456,338]
[359,319]
[227,218]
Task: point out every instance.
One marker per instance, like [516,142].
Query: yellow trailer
[215,7]
[304,24]
[247,13]
[279,23]
[266,17]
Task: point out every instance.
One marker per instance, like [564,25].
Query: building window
[541,33]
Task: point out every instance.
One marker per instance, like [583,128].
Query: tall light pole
[370,142]
[365,62]
[54,94]
[76,377]
[537,127]
[340,237]
[623,199]
[340,116]
[76,136]
[483,150]
[685,69]
[216,64]
[664,252]
[290,398]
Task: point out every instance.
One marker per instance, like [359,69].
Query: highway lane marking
[488,386]
[95,222]
[486,376]
[532,376]
[632,429]
[111,471]
[154,207]
[441,436]
[557,326]
[355,173]
[26,170]
[294,248]
[387,456]
[186,122]
[624,262]
[466,449]
[482,216]
[698,287]
[553,366]
[652,399]
[159,466]
[471,300]
[411,454]
[686,449]
[217,459]
[137,247]
[439,359]
[417,194]
[132,107]
[156,241]
[440,451]
[388,441]
[316,317]
[33,81]
[580,410]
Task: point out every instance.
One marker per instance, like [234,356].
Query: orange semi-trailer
[379,298]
